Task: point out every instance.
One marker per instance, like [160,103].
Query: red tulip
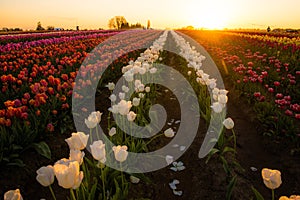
[276,83]
[257,94]
[271,90]
[50,127]
[8,122]
[288,112]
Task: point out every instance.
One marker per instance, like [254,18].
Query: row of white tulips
[194,60]
[140,67]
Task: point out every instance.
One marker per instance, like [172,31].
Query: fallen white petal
[178,121]
[174,169]
[172,186]
[182,148]
[253,169]
[169,159]
[178,193]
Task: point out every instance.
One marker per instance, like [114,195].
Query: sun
[208,16]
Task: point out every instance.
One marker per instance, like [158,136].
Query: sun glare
[208,16]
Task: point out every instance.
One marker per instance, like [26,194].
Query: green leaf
[16,162]
[213,151]
[257,194]
[230,187]
[117,195]
[228,149]
[43,149]
[93,191]
[16,147]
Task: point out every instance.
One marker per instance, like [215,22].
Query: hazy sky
[161,13]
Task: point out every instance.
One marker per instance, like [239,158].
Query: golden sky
[94,14]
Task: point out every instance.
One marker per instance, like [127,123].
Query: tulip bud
[228,123]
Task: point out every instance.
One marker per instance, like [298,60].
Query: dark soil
[199,180]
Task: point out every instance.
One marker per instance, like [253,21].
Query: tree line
[119,22]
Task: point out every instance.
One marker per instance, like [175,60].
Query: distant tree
[39,26]
[116,22]
[137,25]
[148,24]
[125,25]
[50,28]
[18,29]
[188,28]
[111,23]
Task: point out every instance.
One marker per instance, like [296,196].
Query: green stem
[122,177]
[153,138]
[52,193]
[97,132]
[234,140]
[72,194]
[273,195]
[108,121]
[91,136]
[103,184]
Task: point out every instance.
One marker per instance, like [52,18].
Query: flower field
[79,115]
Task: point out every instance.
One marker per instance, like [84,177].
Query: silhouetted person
[268,29]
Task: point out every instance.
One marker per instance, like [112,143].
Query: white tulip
[120,153]
[76,155]
[142,70]
[68,174]
[169,132]
[141,95]
[124,107]
[125,88]
[122,95]
[13,195]
[153,70]
[112,131]
[141,88]
[113,97]
[222,98]
[93,119]
[271,178]
[228,123]
[217,107]
[45,175]
[136,101]
[111,86]
[134,179]
[128,76]
[137,83]
[114,109]
[98,151]
[147,89]
[224,92]
[131,116]
[77,140]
